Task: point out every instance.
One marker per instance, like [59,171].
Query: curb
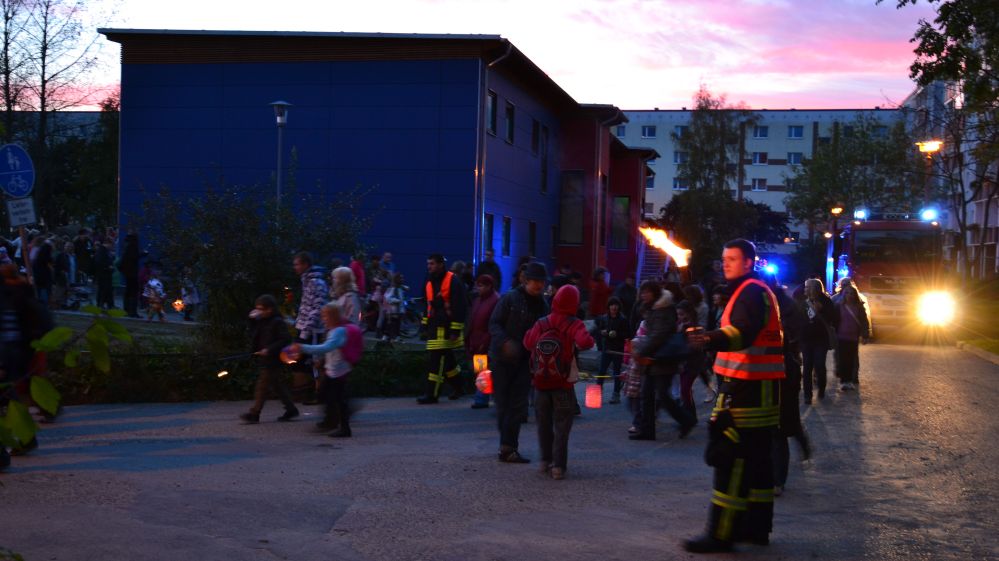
[980,353]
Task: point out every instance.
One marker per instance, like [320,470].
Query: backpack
[354,347]
[552,356]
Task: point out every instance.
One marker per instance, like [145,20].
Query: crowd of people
[755,347]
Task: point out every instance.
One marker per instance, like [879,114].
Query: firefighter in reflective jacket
[443,326]
[749,364]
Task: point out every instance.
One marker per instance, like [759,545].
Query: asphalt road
[907,469]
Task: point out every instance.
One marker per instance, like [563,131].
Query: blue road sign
[17,173]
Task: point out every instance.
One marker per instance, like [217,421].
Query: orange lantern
[594,396]
[178,305]
[484,382]
[479,363]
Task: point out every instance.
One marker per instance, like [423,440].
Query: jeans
[270,378]
[554,412]
[656,394]
[848,361]
[612,363]
[813,359]
[333,393]
[511,385]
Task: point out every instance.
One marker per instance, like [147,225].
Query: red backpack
[354,347]
[552,356]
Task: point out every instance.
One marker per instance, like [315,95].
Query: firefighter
[443,326]
[749,365]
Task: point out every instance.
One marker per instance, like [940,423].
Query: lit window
[680,157]
[680,184]
[759,158]
[761,131]
[759,184]
[619,132]
[795,131]
[648,131]
[793,158]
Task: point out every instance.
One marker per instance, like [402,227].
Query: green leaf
[44,394]
[72,358]
[91,309]
[116,313]
[97,334]
[19,422]
[97,342]
[116,330]
[53,340]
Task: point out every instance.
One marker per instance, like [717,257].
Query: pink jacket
[563,316]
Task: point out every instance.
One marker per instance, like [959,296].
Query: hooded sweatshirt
[563,317]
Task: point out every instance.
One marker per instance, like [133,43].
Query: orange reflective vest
[445,293]
[764,359]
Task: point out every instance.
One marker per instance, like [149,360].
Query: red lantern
[594,396]
[484,382]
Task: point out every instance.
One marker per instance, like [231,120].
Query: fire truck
[896,260]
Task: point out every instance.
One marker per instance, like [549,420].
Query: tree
[864,164]
[713,142]
[13,61]
[960,47]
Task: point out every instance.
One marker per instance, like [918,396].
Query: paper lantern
[288,356]
[479,363]
[484,382]
[594,396]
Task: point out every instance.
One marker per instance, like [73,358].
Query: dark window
[535,136]
[896,246]
[650,182]
[544,159]
[487,233]
[619,132]
[532,238]
[506,236]
[795,131]
[603,210]
[620,223]
[571,208]
[491,113]
[510,125]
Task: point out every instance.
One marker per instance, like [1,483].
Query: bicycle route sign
[17,173]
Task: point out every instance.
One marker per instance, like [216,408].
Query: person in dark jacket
[104,272]
[477,339]
[817,337]
[129,268]
[43,272]
[657,374]
[443,328]
[613,329]
[270,335]
[854,327]
[514,315]
[789,425]
[488,266]
[627,294]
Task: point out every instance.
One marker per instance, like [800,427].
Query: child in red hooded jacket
[554,407]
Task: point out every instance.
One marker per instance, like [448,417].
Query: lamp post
[928,147]
[830,236]
[281,115]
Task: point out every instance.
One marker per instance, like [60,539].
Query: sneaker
[324,426]
[289,414]
[632,430]
[250,418]
[480,406]
[513,458]
[340,434]
[844,387]
[685,431]
[546,467]
[558,474]
[707,544]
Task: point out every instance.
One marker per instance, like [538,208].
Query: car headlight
[936,308]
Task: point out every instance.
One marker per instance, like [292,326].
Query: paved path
[906,470]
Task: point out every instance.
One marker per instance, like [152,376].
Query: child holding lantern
[553,406]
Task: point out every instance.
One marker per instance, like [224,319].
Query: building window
[535,136]
[532,238]
[619,131]
[650,182]
[571,207]
[759,158]
[648,131]
[759,184]
[792,184]
[881,131]
[680,130]
[793,158]
[680,157]
[544,159]
[603,210]
[795,131]
[506,236]
[620,222]
[487,233]
[650,208]
[761,131]
[491,113]
[510,115]
[848,131]
[680,184]
[651,162]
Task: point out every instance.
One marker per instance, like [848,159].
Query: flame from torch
[658,239]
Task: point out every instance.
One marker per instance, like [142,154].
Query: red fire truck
[897,262]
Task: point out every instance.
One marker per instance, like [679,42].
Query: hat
[536,271]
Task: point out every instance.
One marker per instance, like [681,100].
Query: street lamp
[836,210]
[928,147]
[281,115]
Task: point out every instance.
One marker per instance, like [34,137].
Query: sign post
[17,179]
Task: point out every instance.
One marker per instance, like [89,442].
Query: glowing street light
[930,147]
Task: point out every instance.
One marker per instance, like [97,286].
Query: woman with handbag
[818,338]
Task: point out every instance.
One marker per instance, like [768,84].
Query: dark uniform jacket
[514,315]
